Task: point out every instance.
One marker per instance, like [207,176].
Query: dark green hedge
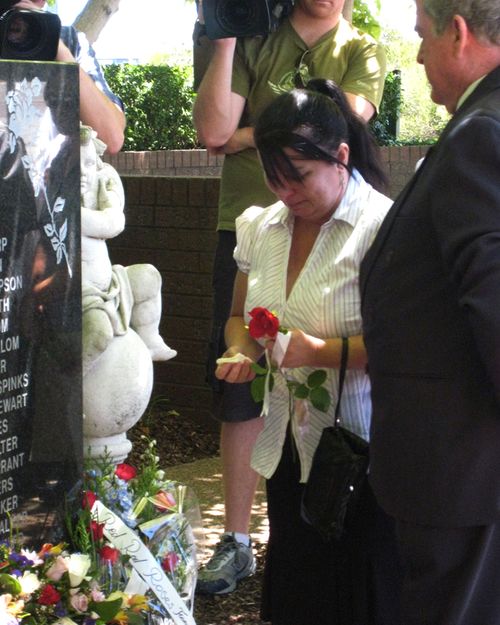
[385,125]
[158,101]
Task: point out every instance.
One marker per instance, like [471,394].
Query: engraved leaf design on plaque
[24,117]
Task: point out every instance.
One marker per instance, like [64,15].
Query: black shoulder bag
[338,473]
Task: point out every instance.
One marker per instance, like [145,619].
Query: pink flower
[96,593]
[57,570]
[125,471]
[79,602]
[163,500]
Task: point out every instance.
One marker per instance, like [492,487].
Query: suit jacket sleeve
[466,218]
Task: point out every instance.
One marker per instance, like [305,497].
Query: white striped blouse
[324,302]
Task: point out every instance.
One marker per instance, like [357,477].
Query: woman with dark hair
[300,259]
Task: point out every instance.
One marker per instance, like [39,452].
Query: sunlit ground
[205,478]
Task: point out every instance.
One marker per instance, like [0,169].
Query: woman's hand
[305,350]
[301,351]
[234,367]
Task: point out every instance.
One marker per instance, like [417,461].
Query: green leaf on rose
[301,391]
[320,398]
[259,370]
[316,378]
[257,388]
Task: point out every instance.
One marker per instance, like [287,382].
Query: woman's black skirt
[307,581]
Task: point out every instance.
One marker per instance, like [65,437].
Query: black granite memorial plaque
[40,294]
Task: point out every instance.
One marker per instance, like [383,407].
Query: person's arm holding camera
[96,109]
[99,108]
[217,109]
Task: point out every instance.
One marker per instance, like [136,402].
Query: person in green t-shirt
[242,78]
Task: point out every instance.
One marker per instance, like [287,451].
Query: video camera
[28,34]
[243,18]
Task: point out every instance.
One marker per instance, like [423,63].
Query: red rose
[169,562]
[97,530]
[49,595]
[125,471]
[263,323]
[88,499]
[108,553]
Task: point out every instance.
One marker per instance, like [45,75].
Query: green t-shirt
[265,67]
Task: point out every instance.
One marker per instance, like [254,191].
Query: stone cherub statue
[121,310]
[114,298]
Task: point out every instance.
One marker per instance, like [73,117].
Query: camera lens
[23,32]
[235,16]
[29,35]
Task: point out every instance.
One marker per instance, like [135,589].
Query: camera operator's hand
[30,5]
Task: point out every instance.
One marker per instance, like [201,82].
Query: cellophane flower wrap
[165,515]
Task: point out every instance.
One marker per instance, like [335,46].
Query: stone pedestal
[116,393]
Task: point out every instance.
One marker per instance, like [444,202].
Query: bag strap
[342,370]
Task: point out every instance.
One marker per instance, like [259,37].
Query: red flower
[110,554]
[97,530]
[88,499]
[169,562]
[49,595]
[125,471]
[263,323]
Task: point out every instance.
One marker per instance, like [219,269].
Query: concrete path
[204,477]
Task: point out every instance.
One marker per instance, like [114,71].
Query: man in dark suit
[431,311]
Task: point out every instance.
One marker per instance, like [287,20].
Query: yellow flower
[120,618]
[138,603]
[118,594]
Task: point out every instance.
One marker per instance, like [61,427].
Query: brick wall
[399,161]
[171,224]
[166,163]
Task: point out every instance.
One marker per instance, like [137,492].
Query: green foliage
[312,389]
[385,125]
[421,120]
[364,17]
[158,101]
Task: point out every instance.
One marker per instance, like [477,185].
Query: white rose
[29,583]
[78,565]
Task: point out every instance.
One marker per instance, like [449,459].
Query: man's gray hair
[482,16]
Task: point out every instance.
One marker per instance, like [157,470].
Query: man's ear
[461,34]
